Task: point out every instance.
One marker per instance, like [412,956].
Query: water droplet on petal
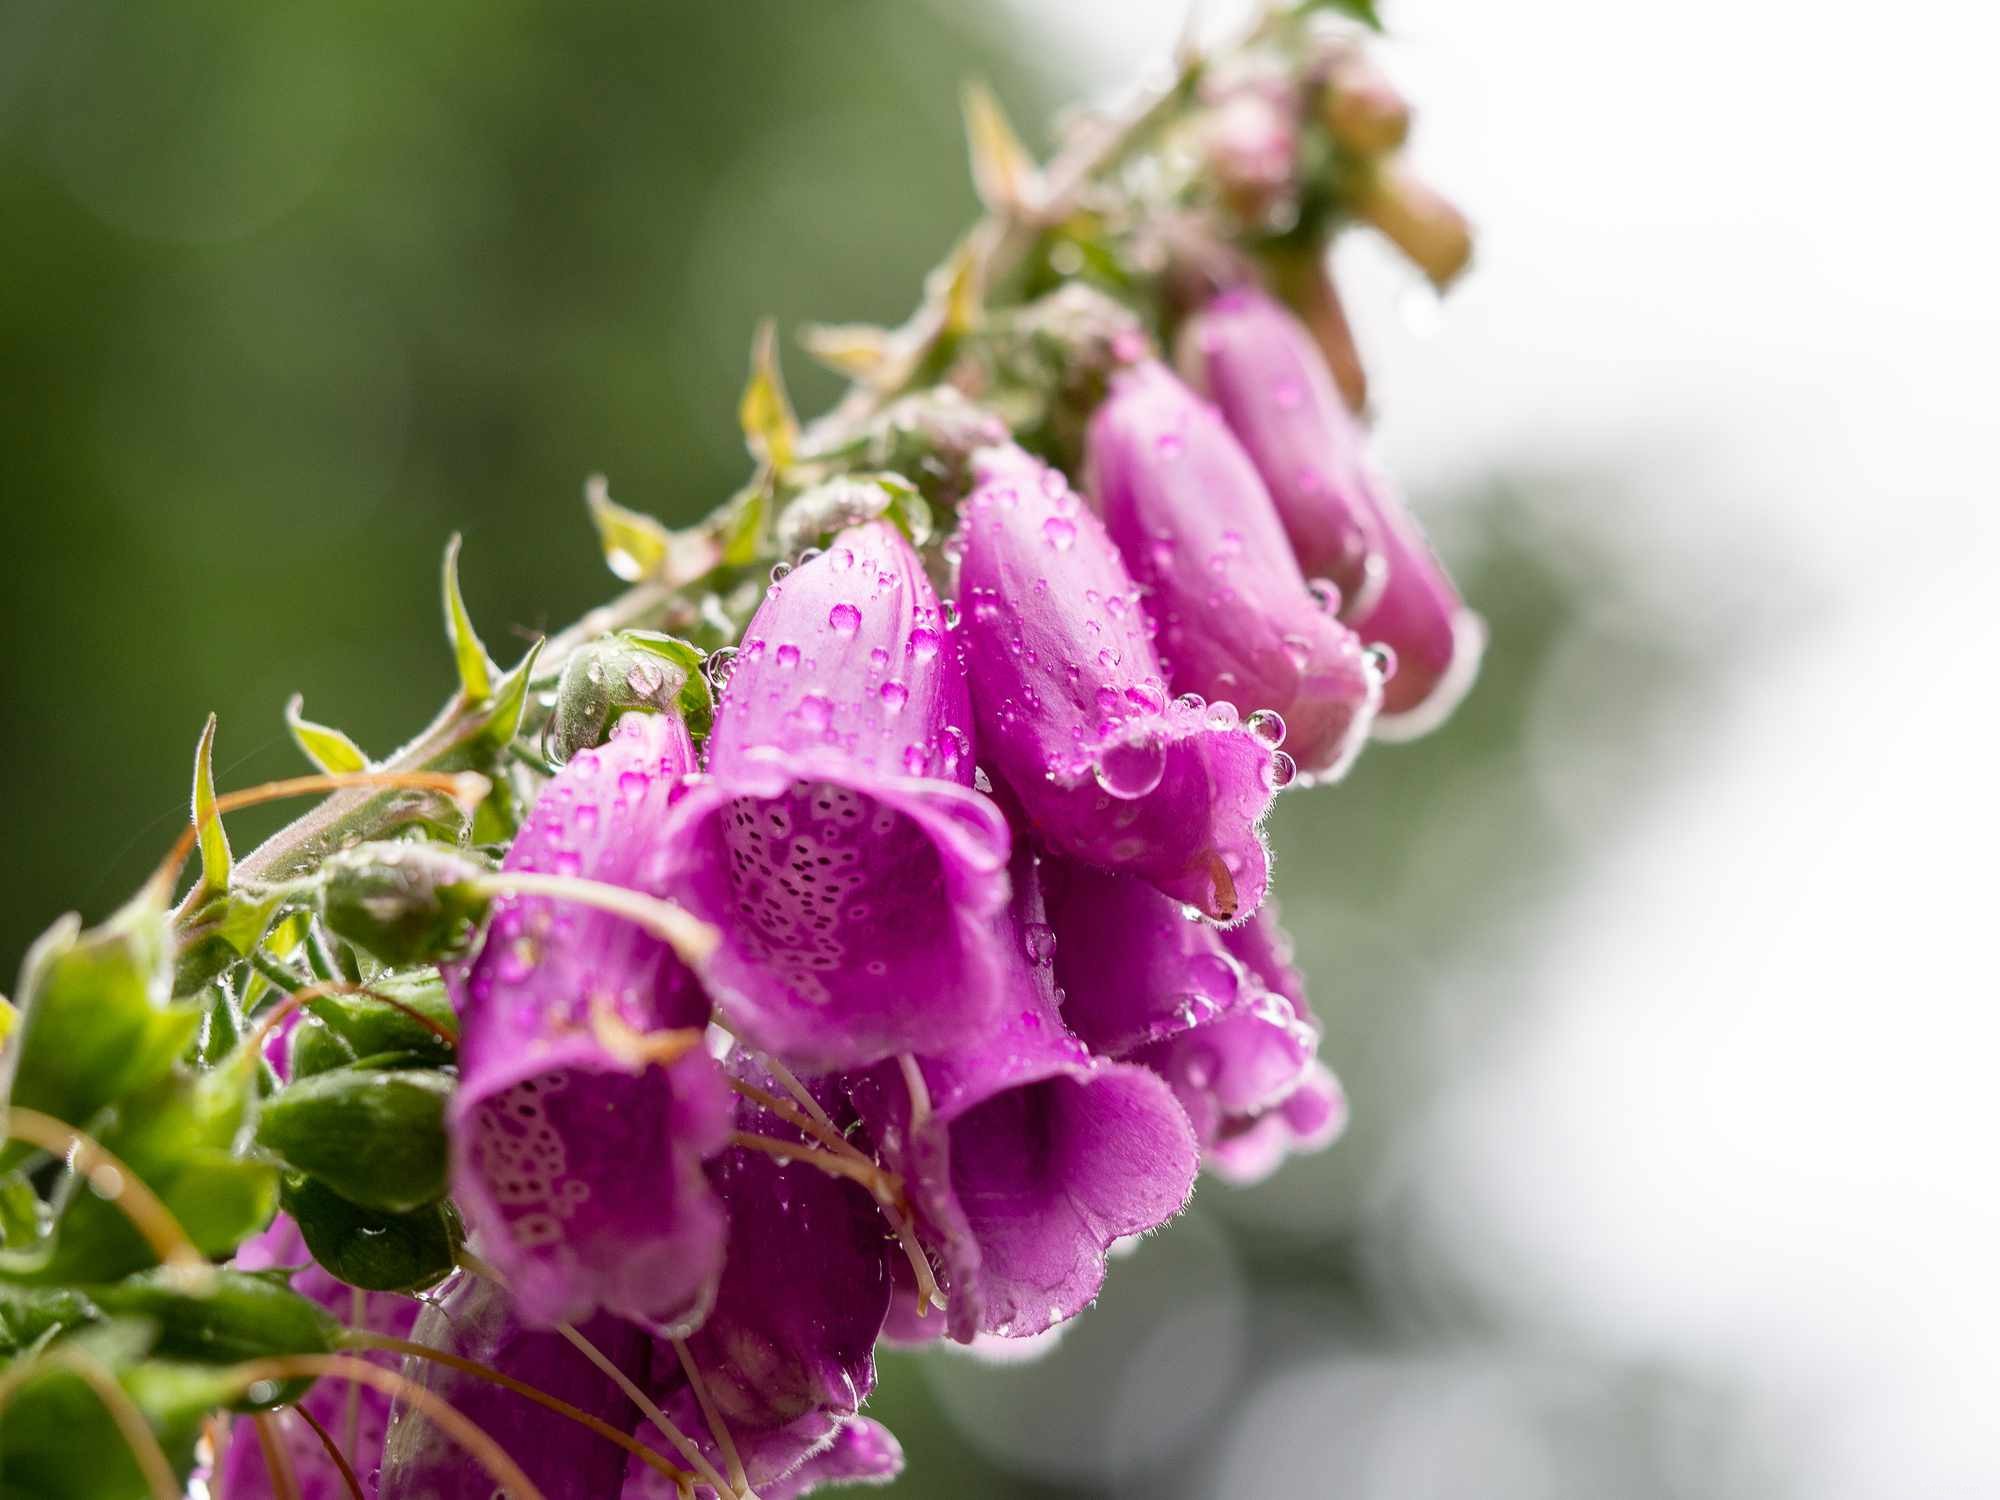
[1326,593]
[788,655]
[814,712]
[1281,772]
[1040,940]
[1060,532]
[845,619]
[1268,725]
[894,695]
[779,571]
[923,643]
[632,783]
[1383,658]
[1131,769]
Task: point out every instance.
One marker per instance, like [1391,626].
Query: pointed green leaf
[326,747]
[1004,173]
[860,351]
[475,670]
[635,545]
[214,842]
[963,293]
[510,699]
[769,425]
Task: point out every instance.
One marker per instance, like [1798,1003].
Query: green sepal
[475,668]
[314,1047]
[374,1251]
[30,1314]
[366,1025]
[236,1316]
[210,836]
[624,672]
[221,932]
[770,428]
[635,545]
[24,1218]
[97,1017]
[377,1138]
[328,748]
[180,1135]
[221,1028]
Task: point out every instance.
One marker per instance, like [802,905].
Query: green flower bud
[376,1138]
[816,516]
[931,437]
[377,1252]
[315,1047]
[628,671]
[380,1020]
[405,902]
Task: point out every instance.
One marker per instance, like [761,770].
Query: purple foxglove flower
[1141,982]
[242,1473]
[475,1319]
[788,1354]
[1420,617]
[1023,1157]
[576,1155]
[836,840]
[857,1451]
[1309,1118]
[1073,708]
[1270,384]
[1260,367]
[1238,624]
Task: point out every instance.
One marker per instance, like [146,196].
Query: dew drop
[878,658]
[845,619]
[894,695]
[814,712]
[1131,769]
[788,655]
[645,679]
[1040,940]
[1221,715]
[1299,649]
[1382,657]
[1326,594]
[779,571]
[1192,703]
[1268,725]
[923,643]
[1281,772]
[840,559]
[949,609]
[633,783]
[1060,532]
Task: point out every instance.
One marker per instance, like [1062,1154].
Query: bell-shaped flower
[1141,982]
[586,1100]
[474,1319]
[357,1416]
[1263,371]
[786,1357]
[836,841]
[1074,712]
[1237,621]
[1023,1157]
[1260,366]
[1309,1118]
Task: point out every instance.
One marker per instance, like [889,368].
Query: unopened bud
[1419,221]
[1362,110]
[931,438]
[406,903]
[375,1137]
[1251,141]
[814,518]
[629,671]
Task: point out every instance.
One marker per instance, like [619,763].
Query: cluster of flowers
[993,972]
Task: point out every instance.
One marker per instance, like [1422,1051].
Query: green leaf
[376,1138]
[237,1316]
[1364,11]
[374,1251]
[328,748]
[97,1017]
[213,840]
[475,668]
[635,545]
[1007,179]
[769,425]
[180,1136]
[23,1216]
[510,700]
[314,1047]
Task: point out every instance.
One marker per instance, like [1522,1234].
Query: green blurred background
[289,293]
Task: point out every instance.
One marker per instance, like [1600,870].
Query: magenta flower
[1260,367]
[474,1319]
[1073,708]
[1023,1157]
[576,1146]
[1238,624]
[836,840]
[1272,387]
[242,1473]
[1309,1118]
[787,1355]
[1141,982]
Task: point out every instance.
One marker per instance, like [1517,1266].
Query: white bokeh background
[1743,1136]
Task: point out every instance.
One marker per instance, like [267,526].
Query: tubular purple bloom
[476,1320]
[577,1133]
[1073,706]
[1261,368]
[1141,982]
[1024,1158]
[242,1473]
[1272,387]
[836,841]
[1238,623]
[1309,1118]
[1421,618]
